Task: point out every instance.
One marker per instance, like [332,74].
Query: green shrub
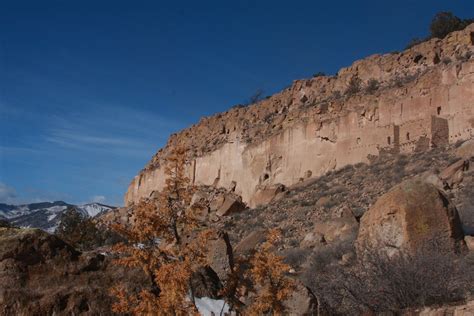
[354,86]
[372,86]
[441,25]
[5,223]
[319,74]
[445,22]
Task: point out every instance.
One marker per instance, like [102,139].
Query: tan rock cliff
[425,98]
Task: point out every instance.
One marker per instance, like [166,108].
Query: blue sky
[89,90]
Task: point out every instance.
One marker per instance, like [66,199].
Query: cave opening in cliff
[417,58]
[438,110]
[389,140]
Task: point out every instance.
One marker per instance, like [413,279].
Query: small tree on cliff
[445,22]
[155,244]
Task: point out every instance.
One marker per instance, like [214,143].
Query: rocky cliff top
[323,97]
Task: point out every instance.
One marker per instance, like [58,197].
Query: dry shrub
[372,86]
[354,86]
[82,232]
[378,283]
[295,257]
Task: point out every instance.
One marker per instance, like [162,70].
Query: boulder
[205,283]
[216,203]
[199,196]
[266,194]
[250,242]
[433,179]
[312,240]
[220,256]
[337,229]
[466,150]
[453,174]
[412,215]
[122,215]
[232,204]
[469,242]
[199,206]
[323,201]
[42,275]
[302,301]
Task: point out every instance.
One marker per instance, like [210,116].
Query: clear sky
[89,90]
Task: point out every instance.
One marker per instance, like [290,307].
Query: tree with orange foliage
[264,274]
[268,274]
[156,246]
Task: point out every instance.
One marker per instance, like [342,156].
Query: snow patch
[208,306]
[55,209]
[52,229]
[93,209]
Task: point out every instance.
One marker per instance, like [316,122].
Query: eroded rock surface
[424,100]
[411,216]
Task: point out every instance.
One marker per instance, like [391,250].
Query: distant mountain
[46,215]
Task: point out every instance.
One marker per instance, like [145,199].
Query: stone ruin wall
[303,131]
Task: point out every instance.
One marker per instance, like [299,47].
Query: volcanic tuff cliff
[423,97]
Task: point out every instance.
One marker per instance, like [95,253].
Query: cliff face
[424,97]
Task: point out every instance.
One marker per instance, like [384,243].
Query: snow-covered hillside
[46,215]
[93,209]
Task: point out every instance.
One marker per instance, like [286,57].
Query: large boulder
[412,215]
